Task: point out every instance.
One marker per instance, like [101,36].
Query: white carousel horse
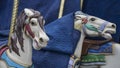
[110,28]
[28,32]
[94,27]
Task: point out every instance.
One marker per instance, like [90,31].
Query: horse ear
[28,12]
[80,15]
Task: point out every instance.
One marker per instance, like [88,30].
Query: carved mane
[18,30]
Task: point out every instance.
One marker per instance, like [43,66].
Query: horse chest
[7,61]
[10,62]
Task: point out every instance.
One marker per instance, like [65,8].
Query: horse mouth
[39,45]
[108,33]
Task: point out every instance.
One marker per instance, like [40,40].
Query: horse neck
[78,49]
[25,58]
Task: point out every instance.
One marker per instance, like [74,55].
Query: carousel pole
[61,8]
[13,20]
[78,58]
[81,4]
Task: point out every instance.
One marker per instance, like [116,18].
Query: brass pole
[13,20]
[61,8]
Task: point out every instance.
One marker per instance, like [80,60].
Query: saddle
[92,44]
[94,51]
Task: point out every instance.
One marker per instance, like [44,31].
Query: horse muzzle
[40,43]
[109,29]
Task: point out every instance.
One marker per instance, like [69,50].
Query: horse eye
[33,23]
[92,19]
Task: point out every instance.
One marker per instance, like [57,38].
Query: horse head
[89,26]
[34,28]
[93,26]
[31,23]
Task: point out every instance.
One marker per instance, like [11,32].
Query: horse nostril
[113,25]
[41,40]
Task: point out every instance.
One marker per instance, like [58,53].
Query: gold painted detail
[61,8]
[13,20]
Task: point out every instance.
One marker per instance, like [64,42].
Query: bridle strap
[102,27]
[28,29]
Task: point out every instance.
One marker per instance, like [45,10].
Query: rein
[28,29]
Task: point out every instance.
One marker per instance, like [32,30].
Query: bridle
[29,31]
[85,25]
[27,27]
[93,28]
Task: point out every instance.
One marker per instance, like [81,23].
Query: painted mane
[17,35]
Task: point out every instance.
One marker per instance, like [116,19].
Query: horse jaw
[107,33]
[37,43]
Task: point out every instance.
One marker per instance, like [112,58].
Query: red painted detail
[28,29]
[84,20]
[3,49]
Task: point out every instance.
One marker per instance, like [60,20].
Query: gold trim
[13,20]
[61,8]
[75,61]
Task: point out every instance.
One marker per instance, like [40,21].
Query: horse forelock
[39,18]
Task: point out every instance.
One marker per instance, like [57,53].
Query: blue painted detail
[12,63]
[105,48]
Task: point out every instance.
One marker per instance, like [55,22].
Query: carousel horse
[28,32]
[91,26]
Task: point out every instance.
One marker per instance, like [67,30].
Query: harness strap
[27,28]
[3,49]
[102,27]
